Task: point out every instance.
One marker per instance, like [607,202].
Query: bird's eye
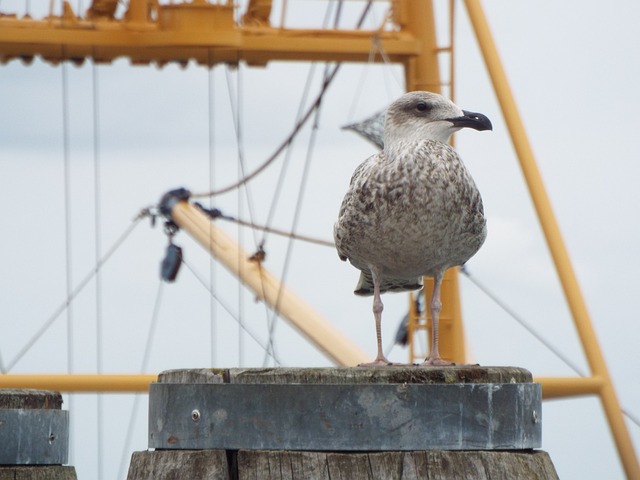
[422,107]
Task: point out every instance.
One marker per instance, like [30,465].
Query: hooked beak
[474,120]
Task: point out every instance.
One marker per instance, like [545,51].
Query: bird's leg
[377,314]
[436,306]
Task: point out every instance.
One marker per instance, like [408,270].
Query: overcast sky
[573,68]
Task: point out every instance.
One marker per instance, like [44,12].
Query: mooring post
[34,435]
[359,423]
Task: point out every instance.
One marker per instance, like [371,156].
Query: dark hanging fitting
[173,255]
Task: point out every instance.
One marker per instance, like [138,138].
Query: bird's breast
[413,214]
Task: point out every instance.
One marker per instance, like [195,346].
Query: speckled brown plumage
[412,209]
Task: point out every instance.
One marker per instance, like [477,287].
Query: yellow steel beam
[450,317]
[422,72]
[267,287]
[561,387]
[188,31]
[554,239]
[451,325]
[131,383]
[80,383]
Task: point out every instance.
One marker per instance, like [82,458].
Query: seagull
[412,210]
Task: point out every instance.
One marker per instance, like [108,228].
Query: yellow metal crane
[209,34]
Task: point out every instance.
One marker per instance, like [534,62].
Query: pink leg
[436,306]
[377,314]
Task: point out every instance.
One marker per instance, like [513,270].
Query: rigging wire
[236,113]
[294,132]
[523,323]
[280,148]
[67,210]
[327,81]
[296,217]
[385,58]
[278,189]
[246,178]
[240,296]
[631,416]
[143,367]
[212,174]
[67,234]
[74,293]
[215,214]
[98,249]
[464,270]
[274,203]
[236,110]
[272,319]
[452,51]
[289,152]
[375,46]
[215,297]
[361,81]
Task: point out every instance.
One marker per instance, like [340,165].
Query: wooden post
[354,422]
[34,436]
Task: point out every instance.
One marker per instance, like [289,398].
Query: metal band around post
[382,417]
[34,437]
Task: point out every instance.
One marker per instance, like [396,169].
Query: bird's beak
[474,120]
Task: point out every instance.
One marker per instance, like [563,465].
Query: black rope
[295,130]
[215,213]
[282,146]
[286,162]
[285,269]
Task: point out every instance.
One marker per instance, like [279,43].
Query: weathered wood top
[23,398]
[350,375]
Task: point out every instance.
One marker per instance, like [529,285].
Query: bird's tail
[389,284]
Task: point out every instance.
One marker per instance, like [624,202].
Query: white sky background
[573,68]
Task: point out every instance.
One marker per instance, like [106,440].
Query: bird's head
[428,116]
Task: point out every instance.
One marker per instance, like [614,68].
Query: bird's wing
[348,199]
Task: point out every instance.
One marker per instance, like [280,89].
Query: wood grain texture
[276,465]
[287,465]
[432,465]
[179,465]
[56,472]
